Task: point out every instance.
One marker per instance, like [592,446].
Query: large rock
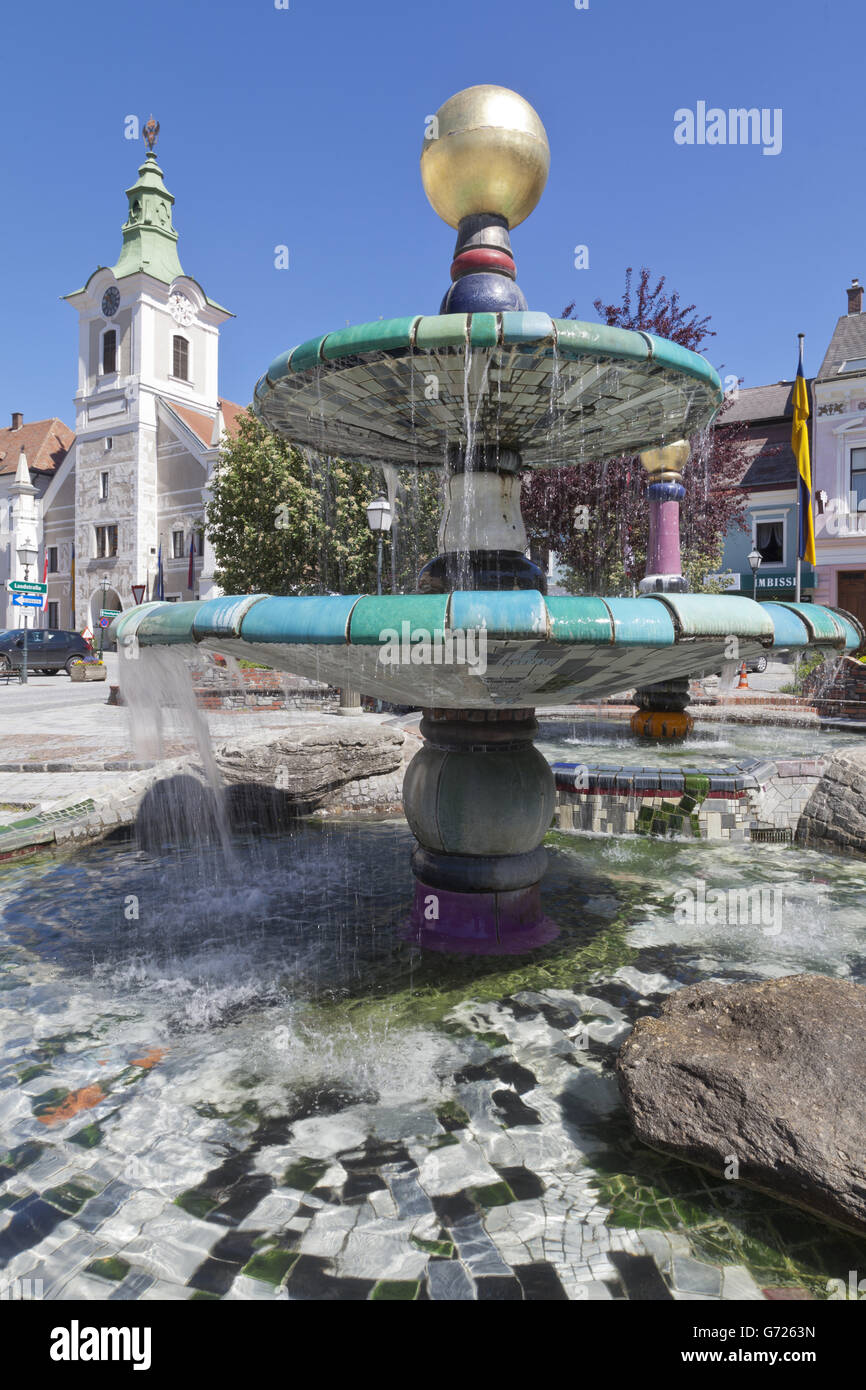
[773,1074]
[309,761]
[834,817]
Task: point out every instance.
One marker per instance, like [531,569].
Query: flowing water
[610,741]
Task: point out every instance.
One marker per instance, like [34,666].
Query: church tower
[147,367]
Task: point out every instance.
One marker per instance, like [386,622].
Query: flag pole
[797,585]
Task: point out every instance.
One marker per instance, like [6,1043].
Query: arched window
[109,352]
[180,358]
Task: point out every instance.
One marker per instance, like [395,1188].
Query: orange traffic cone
[743,683]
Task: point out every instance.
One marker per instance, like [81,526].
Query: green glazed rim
[556,391]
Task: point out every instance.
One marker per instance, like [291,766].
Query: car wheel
[70,663]
[761,664]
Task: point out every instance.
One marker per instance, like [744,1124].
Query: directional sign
[109,612]
[27,601]
[21,586]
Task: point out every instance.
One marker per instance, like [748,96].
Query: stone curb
[111,765]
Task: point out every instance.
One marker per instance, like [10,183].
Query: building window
[53,616]
[180,358]
[106,542]
[109,443]
[770,541]
[177,548]
[199,542]
[103,486]
[52,564]
[109,352]
[858,477]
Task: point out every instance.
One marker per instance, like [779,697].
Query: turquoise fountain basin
[556,391]
[479,649]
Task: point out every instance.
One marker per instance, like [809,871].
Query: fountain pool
[256,1088]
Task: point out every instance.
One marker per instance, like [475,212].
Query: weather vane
[149,132]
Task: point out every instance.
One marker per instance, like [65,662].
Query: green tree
[283,520]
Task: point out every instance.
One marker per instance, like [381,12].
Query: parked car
[49,649]
[755,665]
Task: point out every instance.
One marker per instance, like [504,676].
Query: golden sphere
[485,151]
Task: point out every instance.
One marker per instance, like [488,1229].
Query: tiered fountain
[485,390]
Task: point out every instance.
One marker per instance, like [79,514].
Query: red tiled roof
[202,425]
[230,416]
[45,442]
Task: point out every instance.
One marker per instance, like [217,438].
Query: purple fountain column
[665,493]
[661,712]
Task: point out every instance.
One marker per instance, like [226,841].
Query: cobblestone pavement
[60,741]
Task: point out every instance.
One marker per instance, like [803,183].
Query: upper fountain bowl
[554,391]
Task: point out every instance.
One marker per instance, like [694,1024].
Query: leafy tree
[595,517]
[285,521]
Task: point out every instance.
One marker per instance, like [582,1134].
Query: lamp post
[755,561]
[26,557]
[102,605]
[379,518]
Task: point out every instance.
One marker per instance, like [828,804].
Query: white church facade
[103,504]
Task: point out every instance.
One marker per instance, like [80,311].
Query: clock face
[180,309]
[110,301]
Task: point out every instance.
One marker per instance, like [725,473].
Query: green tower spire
[149,239]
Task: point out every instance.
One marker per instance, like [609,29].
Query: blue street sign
[26,600]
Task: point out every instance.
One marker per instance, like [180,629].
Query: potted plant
[89,668]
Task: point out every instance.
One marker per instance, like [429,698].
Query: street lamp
[755,561]
[379,518]
[101,628]
[26,556]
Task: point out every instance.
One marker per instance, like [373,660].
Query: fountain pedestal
[661,712]
[479,799]
[482,537]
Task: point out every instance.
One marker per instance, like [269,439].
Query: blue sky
[303,127]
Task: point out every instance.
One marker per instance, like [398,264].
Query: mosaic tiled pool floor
[178,1125]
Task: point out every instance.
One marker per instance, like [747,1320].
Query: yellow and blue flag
[800,445]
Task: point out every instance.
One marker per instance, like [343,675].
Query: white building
[839,462]
[148,425]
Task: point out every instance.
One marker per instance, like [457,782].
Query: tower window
[103,487]
[109,352]
[106,542]
[180,358]
[109,443]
